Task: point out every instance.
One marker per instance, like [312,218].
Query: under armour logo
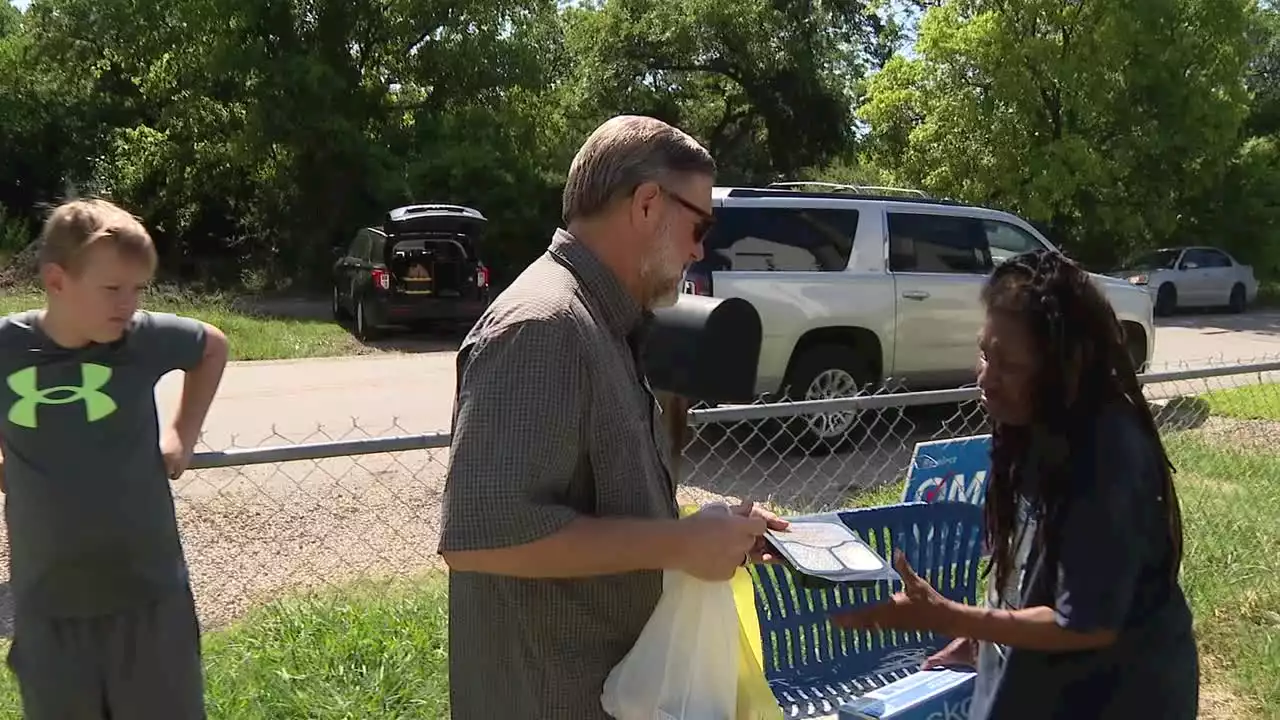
[97,404]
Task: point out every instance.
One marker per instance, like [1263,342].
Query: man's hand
[716,541]
[917,607]
[760,551]
[176,452]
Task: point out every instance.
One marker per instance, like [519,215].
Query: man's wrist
[669,543]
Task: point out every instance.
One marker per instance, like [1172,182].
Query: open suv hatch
[422,265]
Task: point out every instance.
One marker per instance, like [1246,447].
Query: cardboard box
[926,695]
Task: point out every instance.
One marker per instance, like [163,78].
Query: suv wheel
[339,313]
[821,373]
[364,331]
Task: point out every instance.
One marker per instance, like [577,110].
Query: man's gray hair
[624,152]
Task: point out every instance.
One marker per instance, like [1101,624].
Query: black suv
[422,265]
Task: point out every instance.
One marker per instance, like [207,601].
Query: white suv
[855,288]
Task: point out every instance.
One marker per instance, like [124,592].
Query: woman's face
[1006,369]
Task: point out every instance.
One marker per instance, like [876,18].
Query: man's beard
[661,272]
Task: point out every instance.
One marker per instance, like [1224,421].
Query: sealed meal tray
[825,550]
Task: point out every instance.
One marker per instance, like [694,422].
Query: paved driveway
[413,390]
[1192,339]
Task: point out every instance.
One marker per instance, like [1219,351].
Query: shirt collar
[621,313]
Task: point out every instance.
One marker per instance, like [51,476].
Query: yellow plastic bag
[755,700]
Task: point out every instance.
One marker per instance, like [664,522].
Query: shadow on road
[1256,321]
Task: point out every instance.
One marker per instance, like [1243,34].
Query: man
[559,509]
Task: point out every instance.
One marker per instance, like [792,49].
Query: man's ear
[644,203]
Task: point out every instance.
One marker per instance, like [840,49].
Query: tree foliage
[252,135]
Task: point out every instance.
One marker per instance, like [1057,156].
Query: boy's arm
[199,387]
[165,342]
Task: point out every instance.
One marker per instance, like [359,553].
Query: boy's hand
[176,453]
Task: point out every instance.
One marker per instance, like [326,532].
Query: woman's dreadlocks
[1083,364]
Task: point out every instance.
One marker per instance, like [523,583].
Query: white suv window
[1006,240]
[926,243]
[780,239]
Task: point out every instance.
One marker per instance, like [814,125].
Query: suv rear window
[780,239]
[925,243]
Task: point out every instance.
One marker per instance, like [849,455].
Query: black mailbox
[705,349]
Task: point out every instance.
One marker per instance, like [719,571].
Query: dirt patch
[1247,435]
[1218,698]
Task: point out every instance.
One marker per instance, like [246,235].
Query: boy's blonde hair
[76,226]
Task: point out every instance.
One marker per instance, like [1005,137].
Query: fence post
[675,413]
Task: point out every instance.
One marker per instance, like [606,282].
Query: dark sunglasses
[705,222]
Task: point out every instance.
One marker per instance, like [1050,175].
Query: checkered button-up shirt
[554,420]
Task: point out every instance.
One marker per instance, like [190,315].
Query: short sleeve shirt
[1112,572]
[554,420]
[89,507]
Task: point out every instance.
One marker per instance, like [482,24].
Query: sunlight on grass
[1250,402]
[252,337]
[375,651]
[1232,569]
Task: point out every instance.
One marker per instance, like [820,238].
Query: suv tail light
[696,284]
[482,277]
[381,278]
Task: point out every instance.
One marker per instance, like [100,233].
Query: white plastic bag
[684,666]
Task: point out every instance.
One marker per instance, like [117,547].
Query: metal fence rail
[286,514]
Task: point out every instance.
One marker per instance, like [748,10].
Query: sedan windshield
[1155,260]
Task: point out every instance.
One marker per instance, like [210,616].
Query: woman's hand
[917,607]
[962,652]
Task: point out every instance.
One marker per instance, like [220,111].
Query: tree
[768,86]
[1099,118]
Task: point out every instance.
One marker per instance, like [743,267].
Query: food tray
[823,551]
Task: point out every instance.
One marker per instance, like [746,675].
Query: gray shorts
[141,664]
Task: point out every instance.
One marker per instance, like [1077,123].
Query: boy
[104,620]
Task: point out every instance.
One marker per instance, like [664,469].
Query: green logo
[97,404]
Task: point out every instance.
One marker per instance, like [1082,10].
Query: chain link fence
[276,515]
[812,456]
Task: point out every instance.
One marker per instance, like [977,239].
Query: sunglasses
[705,219]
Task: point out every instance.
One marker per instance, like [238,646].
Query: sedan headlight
[1137,279]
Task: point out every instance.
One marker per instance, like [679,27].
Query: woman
[1085,617]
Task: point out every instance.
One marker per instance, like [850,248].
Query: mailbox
[705,349]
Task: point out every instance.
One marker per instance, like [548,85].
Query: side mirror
[1190,265]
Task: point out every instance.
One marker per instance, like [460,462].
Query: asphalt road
[410,390]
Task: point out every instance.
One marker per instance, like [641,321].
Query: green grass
[380,651]
[1230,502]
[252,336]
[371,652]
[1250,402]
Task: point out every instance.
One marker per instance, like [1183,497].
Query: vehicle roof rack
[856,189]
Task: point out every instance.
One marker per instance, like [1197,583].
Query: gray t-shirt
[88,505]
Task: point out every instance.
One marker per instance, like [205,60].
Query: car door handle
[915,294]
